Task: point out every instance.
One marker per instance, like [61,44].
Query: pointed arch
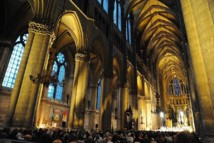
[70,22]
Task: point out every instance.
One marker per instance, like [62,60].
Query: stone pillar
[106,103]
[77,106]
[200,33]
[134,103]
[19,78]
[124,103]
[5,54]
[118,118]
[92,108]
[34,57]
[148,114]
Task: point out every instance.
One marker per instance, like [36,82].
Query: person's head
[57,141]
[184,137]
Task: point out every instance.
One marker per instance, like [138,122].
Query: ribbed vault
[160,37]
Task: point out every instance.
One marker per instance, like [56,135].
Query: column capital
[82,57]
[40,28]
[5,43]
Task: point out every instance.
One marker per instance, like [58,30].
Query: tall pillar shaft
[124,103]
[106,103]
[200,32]
[19,78]
[148,114]
[93,101]
[134,104]
[4,58]
[77,106]
[24,113]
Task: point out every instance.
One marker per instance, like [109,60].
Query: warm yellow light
[161,114]
[42,126]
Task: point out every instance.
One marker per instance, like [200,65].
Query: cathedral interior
[108,64]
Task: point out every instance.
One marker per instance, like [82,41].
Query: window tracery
[15,61]
[117,14]
[104,4]
[56,90]
[98,94]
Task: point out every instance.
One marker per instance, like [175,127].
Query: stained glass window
[117,15]
[51,89]
[177,88]
[128,30]
[60,58]
[14,62]
[56,91]
[98,95]
[104,4]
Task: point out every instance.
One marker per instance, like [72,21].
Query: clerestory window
[55,91]
[98,94]
[128,29]
[117,14]
[104,4]
[14,62]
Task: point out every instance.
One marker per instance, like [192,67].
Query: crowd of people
[57,135]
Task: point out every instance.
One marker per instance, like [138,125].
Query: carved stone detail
[81,57]
[39,28]
[52,39]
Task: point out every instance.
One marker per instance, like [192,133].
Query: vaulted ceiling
[156,22]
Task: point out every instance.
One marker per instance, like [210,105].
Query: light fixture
[161,114]
[44,78]
[48,76]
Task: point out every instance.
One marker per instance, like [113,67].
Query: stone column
[77,106]
[92,107]
[19,78]
[118,109]
[5,54]
[148,114]
[106,103]
[124,103]
[200,33]
[24,113]
[134,103]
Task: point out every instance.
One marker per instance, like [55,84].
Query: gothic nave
[108,65]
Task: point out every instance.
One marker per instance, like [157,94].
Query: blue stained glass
[105,5]
[59,90]
[115,12]
[177,87]
[51,90]
[119,17]
[61,73]
[14,62]
[25,36]
[98,95]
[55,68]
[128,30]
[18,39]
[60,58]
[100,1]
[59,68]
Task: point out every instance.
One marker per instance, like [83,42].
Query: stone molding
[39,28]
[81,57]
[5,44]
